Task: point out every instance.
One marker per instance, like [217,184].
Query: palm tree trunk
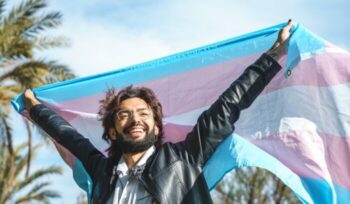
[279,195]
[30,136]
[10,150]
[252,184]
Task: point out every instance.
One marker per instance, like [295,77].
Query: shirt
[128,188]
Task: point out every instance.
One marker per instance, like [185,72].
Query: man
[139,168]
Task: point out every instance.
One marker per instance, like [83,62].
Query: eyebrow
[138,109]
[141,109]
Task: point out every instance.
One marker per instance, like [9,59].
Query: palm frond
[7,93]
[36,191]
[42,23]
[43,43]
[14,47]
[36,73]
[20,28]
[41,197]
[28,74]
[36,188]
[2,8]
[38,174]
[25,10]
[19,149]
[58,72]
[21,161]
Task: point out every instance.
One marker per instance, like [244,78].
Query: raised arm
[62,132]
[216,123]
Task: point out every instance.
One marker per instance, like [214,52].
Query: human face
[134,120]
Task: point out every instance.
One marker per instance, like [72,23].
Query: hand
[279,48]
[30,99]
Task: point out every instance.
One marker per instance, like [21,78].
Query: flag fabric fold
[298,128]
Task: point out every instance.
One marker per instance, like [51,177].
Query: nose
[135,117]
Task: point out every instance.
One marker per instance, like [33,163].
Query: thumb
[284,33]
[289,25]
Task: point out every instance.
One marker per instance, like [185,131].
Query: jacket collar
[122,167]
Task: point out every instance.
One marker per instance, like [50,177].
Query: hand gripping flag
[298,128]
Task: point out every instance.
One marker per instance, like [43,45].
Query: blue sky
[110,34]
[107,34]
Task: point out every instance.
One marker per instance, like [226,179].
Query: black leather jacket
[173,174]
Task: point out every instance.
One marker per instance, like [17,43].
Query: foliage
[82,199]
[21,189]
[253,186]
[23,31]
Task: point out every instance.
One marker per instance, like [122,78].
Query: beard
[127,145]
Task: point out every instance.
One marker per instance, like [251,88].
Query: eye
[144,114]
[122,115]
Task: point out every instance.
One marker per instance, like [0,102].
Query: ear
[156,130]
[112,134]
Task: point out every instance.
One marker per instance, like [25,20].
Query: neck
[131,159]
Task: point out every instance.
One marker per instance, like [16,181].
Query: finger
[289,25]
[28,93]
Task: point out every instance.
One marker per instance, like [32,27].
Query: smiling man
[139,168]
[134,129]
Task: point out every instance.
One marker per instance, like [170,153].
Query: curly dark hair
[109,107]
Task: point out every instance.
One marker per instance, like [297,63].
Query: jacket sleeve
[216,123]
[63,133]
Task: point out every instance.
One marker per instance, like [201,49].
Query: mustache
[129,127]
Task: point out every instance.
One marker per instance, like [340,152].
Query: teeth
[136,130]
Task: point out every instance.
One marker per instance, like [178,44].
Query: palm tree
[22,33]
[81,199]
[22,189]
[253,185]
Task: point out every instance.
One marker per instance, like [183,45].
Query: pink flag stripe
[270,112]
[312,155]
[309,154]
[310,103]
[176,99]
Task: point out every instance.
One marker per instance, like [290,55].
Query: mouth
[136,131]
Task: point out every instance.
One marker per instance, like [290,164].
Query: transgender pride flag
[298,128]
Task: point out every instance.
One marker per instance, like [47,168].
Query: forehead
[133,103]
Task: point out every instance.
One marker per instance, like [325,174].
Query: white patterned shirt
[128,188]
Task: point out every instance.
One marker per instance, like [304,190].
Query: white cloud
[97,48]
[110,34]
